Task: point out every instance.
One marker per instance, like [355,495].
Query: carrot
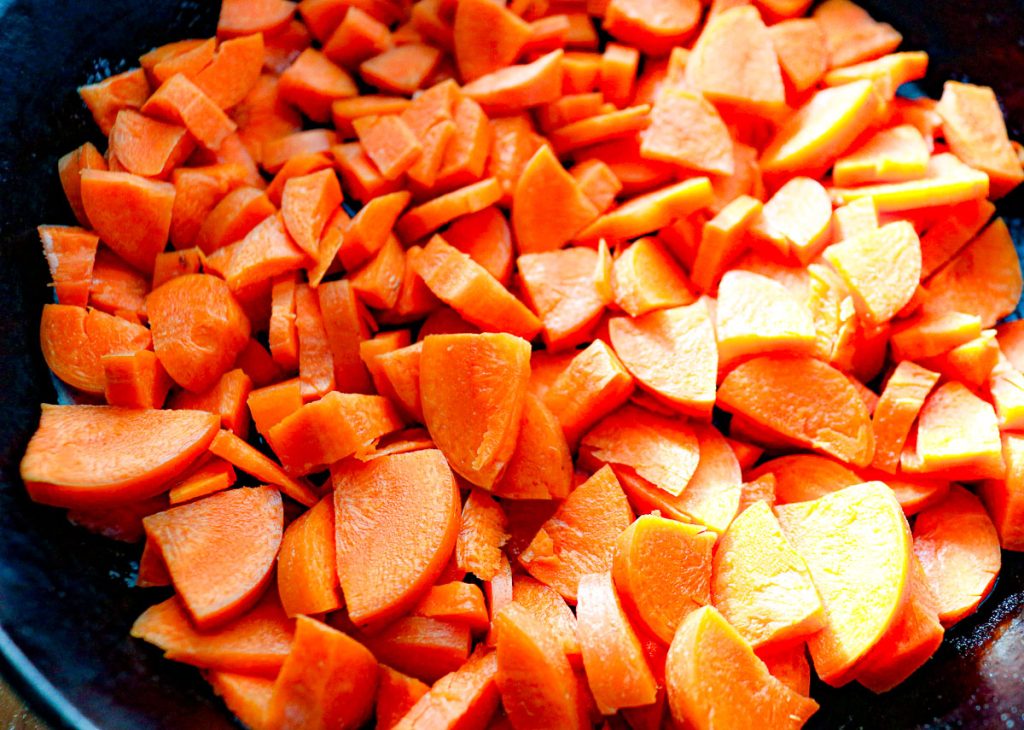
[547,34]
[270,404]
[796,219]
[208,533]
[471,291]
[455,601]
[233,217]
[858,217]
[863,596]
[944,240]
[904,395]
[804,477]
[198,329]
[263,116]
[238,17]
[580,537]
[70,253]
[357,38]
[648,345]
[600,128]
[656,27]
[957,437]
[616,668]
[104,99]
[226,398]
[402,69]
[760,489]
[892,155]
[180,101]
[487,37]
[988,264]
[547,607]
[662,571]
[211,476]
[753,561]
[492,370]
[513,88]
[558,286]
[246,458]
[714,679]
[541,465]
[76,458]
[171,264]
[422,530]
[723,239]
[246,696]
[852,35]
[617,73]
[1002,497]
[329,429]
[686,130]
[465,154]
[958,547]
[424,219]
[70,168]
[756,315]
[345,111]
[534,675]
[598,182]
[486,238]
[147,147]
[274,153]
[313,82]
[568,109]
[466,697]
[800,47]
[328,680]
[799,413]
[135,380]
[256,643]
[316,362]
[481,536]
[580,71]
[396,695]
[306,575]
[198,190]
[307,203]
[651,211]
[131,214]
[549,208]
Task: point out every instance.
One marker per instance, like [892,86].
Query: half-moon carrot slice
[307,572]
[715,680]
[761,585]
[198,329]
[580,536]
[803,477]
[396,523]
[473,388]
[662,571]
[254,643]
[510,89]
[902,398]
[857,545]
[75,340]
[958,547]
[550,609]
[541,464]
[245,695]
[805,401]
[464,698]
[422,647]
[220,550]
[396,695]
[482,534]
[616,667]
[548,206]
[93,456]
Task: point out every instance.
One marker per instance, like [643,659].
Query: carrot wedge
[232,449]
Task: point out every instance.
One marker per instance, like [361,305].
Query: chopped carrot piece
[541,465]
[357,38]
[803,477]
[617,73]
[71,254]
[852,35]
[246,458]
[481,536]
[422,647]
[513,88]
[947,181]
[181,101]
[227,398]
[686,130]
[656,27]
[598,182]
[211,476]
[558,286]
[396,695]
[944,240]
[456,601]
[402,69]
[549,208]
[427,218]
[902,399]
[307,204]
[487,37]
[652,211]
[237,213]
[1003,498]
[468,694]
[234,70]
[600,128]
[126,90]
[316,361]
[892,155]
[148,147]
[800,47]
[307,578]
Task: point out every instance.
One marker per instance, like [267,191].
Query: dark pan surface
[66,601]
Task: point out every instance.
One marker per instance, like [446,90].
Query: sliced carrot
[513,88]
[148,147]
[902,399]
[131,214]
[598,182]
[256,643]
[858,217]
[263,116]
[602,127]
[487,37]
[651,211]
[246,458]
[714,679]
[135,380]
[944,240]
[316,362]
[958,547]
[70,253]
[235,69]
[540,466]
[307,578]
[617,73]
[328,680]
[471,291]
[357,38]
[723,239]
[788,663]
[648,346]
[645,277]
[852,35]
[401,70]
[481,536]
[126,90]
[208,533]
[466,697]
[70,168]
[226,398]
[580,537]
[455,601]
[796,219]
[246,696]
[239,17]
[396,695]
[307,204]
[181,101]
[1002,497]
[800,47]
[823,412]
[544,195]
[662,571]
[75,458]
[616,668]
[479,440]
[237,213]
[656,27]
[558,285]
[686,130]
[760,489]
[270,405]
[423,531]
[211,476]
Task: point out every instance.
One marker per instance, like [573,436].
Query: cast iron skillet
[66,600]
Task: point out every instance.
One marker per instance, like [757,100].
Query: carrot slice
[401,70]
[652,211]
[148,147]
[804,477]
[548,208]
[686,130]
[654,26]
[215,577]
[617,77]
[616,668]
[131,214]
[455,601]
[714,679]
[723,239]
[796,219]
[851,34]
[236,451]
[598,182]
[135,380]
[534,675]
[180,101]
[466,697]
[648,346]
[487,37]
[471,291]
[427,218]
[307,203]
[256,643]
[74,341]
[1003,497]
[857,545]
[307,578]
[541,465]
[76,458]
[422,647]
[547,607]
[761,585]
[478,440]
[800,47]
[328,680]
[235,68]
[904,395]
[126,90]
[211,476]
[241,17]
[958,547]
[645,277]
[396,695]
[358,37]
[481,536]
[580,537]
[422,530]
[70,168]
[891,155]
[345,329]
[226,398]
[558,285]
[662,571]
[513,88]
[804,401]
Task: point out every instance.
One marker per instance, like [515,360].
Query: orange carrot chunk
[465,697]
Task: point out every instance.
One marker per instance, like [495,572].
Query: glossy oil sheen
[65,598]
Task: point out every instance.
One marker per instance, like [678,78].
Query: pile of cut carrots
[549,364]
